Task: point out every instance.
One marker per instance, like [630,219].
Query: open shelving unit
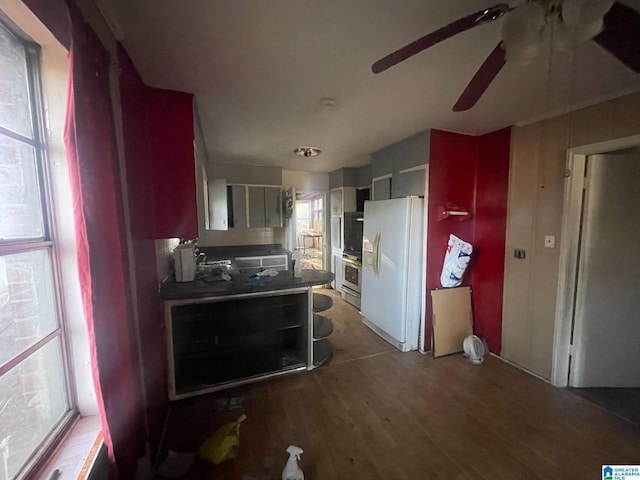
[322,328]
[221,342]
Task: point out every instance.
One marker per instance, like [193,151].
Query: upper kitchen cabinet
[265,206]
[343,199]
[381,188]
[411,181]
[173,175]
[218,205]
[249,196]
[237,202]
[256,207]
[400,169]
[273,206]
[243,206]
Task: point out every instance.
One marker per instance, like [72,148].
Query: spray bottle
[291,470]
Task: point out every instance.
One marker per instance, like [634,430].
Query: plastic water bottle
[296,260]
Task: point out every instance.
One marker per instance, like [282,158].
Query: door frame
[569,249]
[326,214]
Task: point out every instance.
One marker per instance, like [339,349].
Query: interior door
[607,313]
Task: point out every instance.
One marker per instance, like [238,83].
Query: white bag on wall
[455,262]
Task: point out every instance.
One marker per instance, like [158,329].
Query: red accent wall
[452,178]
[134,96]
[472,173]
[490,227]
[173,169]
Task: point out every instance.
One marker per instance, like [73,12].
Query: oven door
[352,275]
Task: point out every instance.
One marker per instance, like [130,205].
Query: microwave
[352,236]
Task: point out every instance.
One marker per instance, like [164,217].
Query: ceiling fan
[612,25]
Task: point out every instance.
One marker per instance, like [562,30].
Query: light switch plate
[549,241]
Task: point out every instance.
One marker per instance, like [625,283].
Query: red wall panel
[490,235]
[452,178]
[134,97]
[173,171]
[472,173]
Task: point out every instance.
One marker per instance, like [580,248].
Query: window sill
[77,456]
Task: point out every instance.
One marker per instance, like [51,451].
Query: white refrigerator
[393,268]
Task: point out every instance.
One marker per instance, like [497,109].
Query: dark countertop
[172,290]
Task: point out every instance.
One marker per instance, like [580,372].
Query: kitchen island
[222,334]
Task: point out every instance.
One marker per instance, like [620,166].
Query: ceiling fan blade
[621,35]
[448,31]
[481,80]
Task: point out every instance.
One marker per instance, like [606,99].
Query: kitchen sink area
[230,326]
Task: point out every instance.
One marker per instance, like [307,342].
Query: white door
[607,312]
[384,279]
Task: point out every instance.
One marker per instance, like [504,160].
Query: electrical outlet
[519,253]
[549,241]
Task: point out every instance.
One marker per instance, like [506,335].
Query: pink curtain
[102,253]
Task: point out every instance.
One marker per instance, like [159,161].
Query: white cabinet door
[265,207]
[343,199]
[339,272]
[217,196]
[256,207]
[238,206]
[336,233]
[273,206]
[349,199]
[336,201]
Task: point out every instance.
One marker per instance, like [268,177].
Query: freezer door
[385,261]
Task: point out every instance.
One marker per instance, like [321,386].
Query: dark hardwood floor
[375,413]
[624,402]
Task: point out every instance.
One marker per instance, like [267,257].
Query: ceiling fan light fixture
[580,13]
[589,30]
[521,32]
[564,37]
[307,152]
[523,23]
[523,53]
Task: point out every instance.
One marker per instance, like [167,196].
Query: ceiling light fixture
[307,151]
[574,22]
[329,103]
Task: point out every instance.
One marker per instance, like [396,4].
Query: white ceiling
[259,69]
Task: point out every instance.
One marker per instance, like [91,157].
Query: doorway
[310,228]
[598,302]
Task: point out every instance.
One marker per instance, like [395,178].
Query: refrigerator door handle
[376,254]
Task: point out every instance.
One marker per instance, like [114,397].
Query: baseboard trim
[515,365]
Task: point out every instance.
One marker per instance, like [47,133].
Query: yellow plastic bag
[223,444]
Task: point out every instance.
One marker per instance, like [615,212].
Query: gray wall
[245,174]
[350,177]
[364,176]
[336,178]
[410,152]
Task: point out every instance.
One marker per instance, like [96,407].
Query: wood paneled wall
[536,190]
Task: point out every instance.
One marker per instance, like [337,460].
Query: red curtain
[102,253]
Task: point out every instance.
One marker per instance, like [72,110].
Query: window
[35,400]
[318,211]
[303,216]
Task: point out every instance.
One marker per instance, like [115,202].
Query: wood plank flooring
[375,413]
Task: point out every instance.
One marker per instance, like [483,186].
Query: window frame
[33,57]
